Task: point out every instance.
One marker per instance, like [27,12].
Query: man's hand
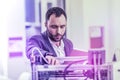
[32,58]
[52,60]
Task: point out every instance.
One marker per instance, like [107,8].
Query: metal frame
[97,69]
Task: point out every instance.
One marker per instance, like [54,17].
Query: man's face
[56,27]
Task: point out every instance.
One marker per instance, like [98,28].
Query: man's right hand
[52,60]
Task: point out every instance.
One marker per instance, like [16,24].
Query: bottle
[114,58]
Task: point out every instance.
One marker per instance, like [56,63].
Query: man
[52,43]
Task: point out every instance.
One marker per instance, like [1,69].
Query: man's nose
[59,31]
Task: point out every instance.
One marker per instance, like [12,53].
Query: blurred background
[92,24]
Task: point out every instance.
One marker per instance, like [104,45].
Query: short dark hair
[55,10]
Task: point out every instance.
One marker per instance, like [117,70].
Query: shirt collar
[51,42]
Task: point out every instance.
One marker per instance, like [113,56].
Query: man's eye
[62,26]
[54,26]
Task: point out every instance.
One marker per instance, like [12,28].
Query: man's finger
[52,60]
[57,62]
[32,58]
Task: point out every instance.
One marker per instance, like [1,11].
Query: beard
[55,38]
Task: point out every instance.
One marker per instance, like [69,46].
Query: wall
[16,59]
[75,29]
[3,38]
[115,30]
